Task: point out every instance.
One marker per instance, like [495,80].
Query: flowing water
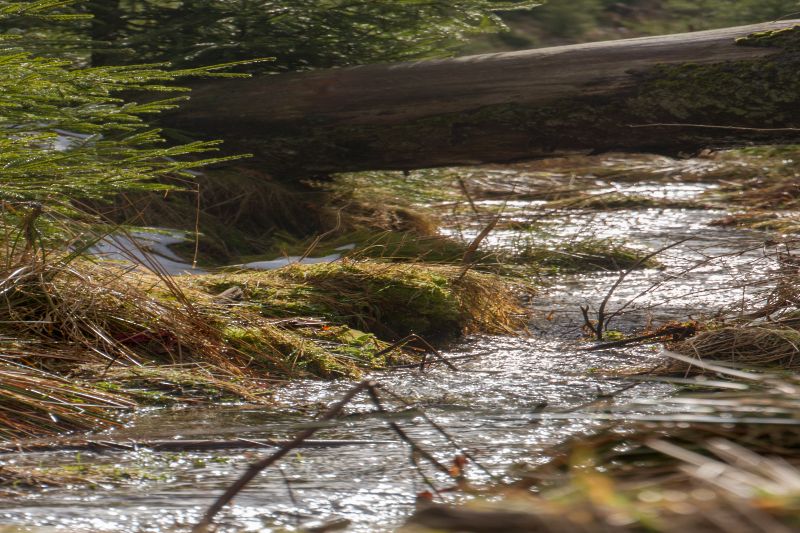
[496,405]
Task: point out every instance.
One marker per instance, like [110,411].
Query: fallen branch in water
[371,388]
[181,445]
[599,327]
[676,333]
[414,337]
[257,467]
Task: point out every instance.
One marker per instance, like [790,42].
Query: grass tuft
[752,346]
[126,337]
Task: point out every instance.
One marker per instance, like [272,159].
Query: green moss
[760,92]
[77,473]
[300,351]
[393,303]
[786,38]
[108,386]
[386,299]
[170,385]
[355,345]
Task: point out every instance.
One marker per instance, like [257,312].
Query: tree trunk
[670,94]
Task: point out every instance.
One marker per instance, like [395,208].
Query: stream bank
[492,405]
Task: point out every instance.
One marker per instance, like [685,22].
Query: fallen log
[670,94]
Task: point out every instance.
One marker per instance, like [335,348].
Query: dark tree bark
[669,94]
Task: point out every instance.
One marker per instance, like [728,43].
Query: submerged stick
[181,445]
[414,337]
[371,388]
[257,467]
[654,337]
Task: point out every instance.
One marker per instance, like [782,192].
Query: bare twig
[372,390]
[469,254]
[444,433]
[656,337]
[713,127]
[463,186]
[602,320]
[289,489]
[257,467]
[414,337]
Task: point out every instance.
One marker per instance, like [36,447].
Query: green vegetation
[68,136]
[133,336]
[299,34]
[83,340]
[81,471]
[387,299]
[78,152]
[558,22]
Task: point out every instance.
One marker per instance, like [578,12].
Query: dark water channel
[489,406]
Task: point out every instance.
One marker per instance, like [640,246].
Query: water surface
[489,406]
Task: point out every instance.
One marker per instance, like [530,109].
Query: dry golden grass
[115,331]
[752,346]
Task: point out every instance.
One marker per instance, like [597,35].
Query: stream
[496,405]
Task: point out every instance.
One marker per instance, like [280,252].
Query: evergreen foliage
[66,135]
[300,34]
[560,21]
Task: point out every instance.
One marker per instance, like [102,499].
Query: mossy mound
[389,300]
[94,338]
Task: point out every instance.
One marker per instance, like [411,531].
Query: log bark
[670,94]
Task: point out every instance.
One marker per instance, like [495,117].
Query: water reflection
[490,406]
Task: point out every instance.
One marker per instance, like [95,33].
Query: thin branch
[444,433]
[713,126]
[602,321]
[372,390]
[256,468]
